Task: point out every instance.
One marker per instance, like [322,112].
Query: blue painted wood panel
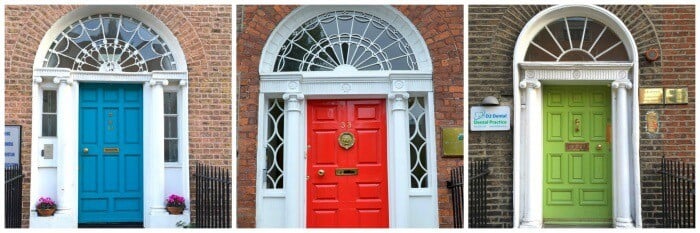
[110,183]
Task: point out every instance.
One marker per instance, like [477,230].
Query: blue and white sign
[486,118]
[12,144]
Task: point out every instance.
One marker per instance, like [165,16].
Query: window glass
[48,117]
[418,142]
[171,137]
[274,149]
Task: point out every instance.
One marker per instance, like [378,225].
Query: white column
[532,161]
[156,194]
[293,157]
[399,161]
[67,167]
[621,183]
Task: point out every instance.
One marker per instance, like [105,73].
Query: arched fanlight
[345,41]
[109,43]
[576,39]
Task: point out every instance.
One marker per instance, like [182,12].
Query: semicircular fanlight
[109,43]
[576,39]
[345,41]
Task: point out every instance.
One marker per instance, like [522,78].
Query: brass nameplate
[577,146]
[453,141]
[111,150]
[346,171]
[651,95]
[676,95]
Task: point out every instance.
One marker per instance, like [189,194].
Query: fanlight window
[345,41]
[109,43]
[576,39]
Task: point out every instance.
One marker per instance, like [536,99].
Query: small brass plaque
[652,122]
[676,95]
[651,95]
[346,140]
[453,141]
[111,150]
[577,146]
[346,171]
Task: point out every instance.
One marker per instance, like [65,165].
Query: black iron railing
[678,193]
[456,186]
[213,200]
[478,174]
[13,196]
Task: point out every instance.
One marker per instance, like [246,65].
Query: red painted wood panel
[347,201]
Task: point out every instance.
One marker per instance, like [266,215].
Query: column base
[530,224]
[60,219]
[623,223]
[159,218]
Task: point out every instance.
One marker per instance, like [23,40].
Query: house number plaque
[346,140]
[577,146]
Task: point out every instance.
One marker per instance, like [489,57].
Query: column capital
[62,79]
[183,83]
[622,83]
[399,101]
[292,101]
[37,79]
[530,83]
[158,81]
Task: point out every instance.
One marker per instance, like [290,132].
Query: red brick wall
[204,33]
[493,31]
[442,29]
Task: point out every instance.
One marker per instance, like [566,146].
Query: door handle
[577,125]
[321,172]
[599,147]
[85,150]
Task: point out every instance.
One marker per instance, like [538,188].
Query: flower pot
[45,212]
[175,210]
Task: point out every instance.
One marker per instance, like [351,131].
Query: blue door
[111,153]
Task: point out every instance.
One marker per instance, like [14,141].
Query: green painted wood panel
[577,184]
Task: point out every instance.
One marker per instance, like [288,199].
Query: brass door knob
[599,147]
[85,150]
[321,172]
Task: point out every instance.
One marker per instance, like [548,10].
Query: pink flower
[45,203]
[175,201]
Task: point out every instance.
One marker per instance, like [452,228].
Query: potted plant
[45,206]
[175,204]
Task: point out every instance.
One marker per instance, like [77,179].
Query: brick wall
[442,29]
[493,31]
[204,33]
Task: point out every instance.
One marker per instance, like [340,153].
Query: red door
[347,187]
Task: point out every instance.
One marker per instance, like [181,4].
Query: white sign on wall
[12,144]
[489,118]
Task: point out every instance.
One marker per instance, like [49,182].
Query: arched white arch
[132,11]
[527,143]
[300,15]
[58,177]
[408,206]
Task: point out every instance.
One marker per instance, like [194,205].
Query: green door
[577,155]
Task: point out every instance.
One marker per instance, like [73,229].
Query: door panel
[110,171]
[577,182]
[334,199]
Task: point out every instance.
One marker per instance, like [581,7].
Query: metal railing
[13,196]
[456,186]
[478,174]
[213,200]
[677,193]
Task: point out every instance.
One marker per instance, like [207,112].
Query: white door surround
[58,177]
[528,77]
[286,207]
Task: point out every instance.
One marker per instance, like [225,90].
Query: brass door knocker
[346,140]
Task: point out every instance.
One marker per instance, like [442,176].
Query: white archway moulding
[58,177]
[528,77]
[286,207]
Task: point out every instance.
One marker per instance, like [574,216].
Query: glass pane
[170,101]
[418,142]
[348,40]
[48,125]
[170,150]
[274,150]
[171,127]
[49,105]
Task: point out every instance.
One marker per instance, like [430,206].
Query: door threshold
[112,225]
[577,225]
